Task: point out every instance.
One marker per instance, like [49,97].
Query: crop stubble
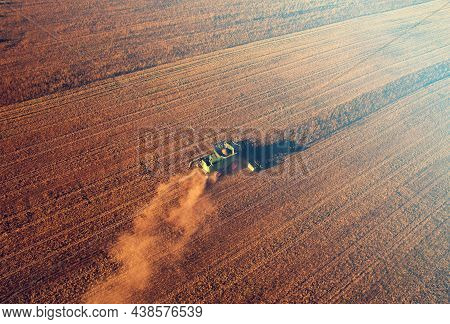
[367,223]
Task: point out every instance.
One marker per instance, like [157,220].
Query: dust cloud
[161,229]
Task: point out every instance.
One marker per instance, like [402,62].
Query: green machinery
[227,156]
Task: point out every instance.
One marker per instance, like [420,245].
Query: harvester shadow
[267,156]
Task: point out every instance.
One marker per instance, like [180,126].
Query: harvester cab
[227,156]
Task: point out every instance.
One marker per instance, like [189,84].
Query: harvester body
[226,156]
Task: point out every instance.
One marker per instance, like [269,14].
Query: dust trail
[163,228]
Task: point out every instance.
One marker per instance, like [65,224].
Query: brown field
[359,215]
[49,46]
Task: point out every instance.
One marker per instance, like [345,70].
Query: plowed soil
[359,215]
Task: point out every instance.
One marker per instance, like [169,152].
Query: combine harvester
[227,157]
